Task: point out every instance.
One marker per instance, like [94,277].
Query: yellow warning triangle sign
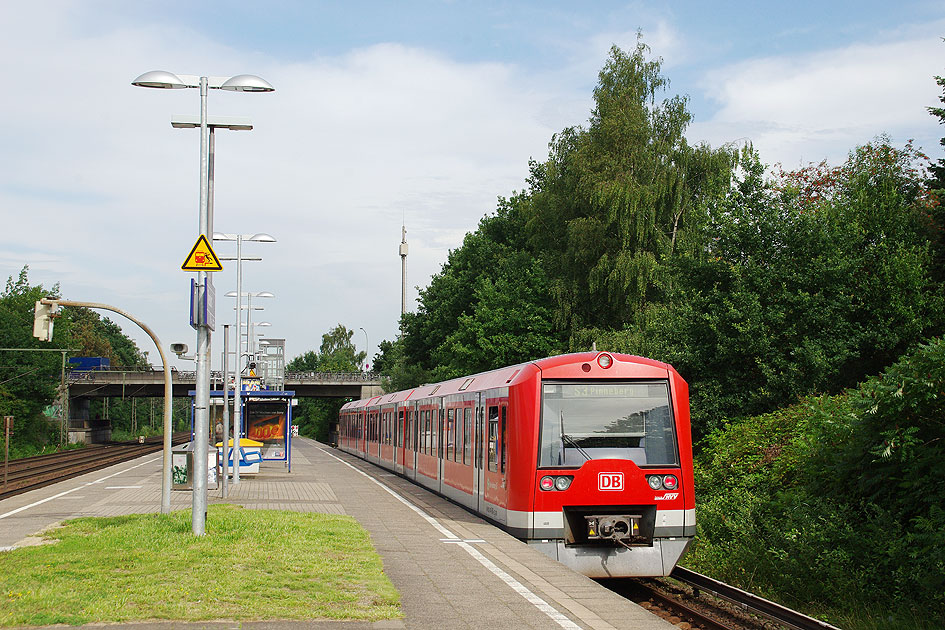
[202,257]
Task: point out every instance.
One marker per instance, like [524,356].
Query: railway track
[30,473]
[699,605]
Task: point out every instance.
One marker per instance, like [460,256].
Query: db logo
[610,481]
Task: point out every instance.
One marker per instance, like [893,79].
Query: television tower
[403,270]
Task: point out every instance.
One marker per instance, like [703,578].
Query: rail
[30,473]
[759,605]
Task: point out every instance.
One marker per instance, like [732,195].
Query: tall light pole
[259,237]
[239,83]
[226,411]
[366,346]
[250,342]
[252,334]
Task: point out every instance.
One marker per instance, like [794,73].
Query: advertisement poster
[266,423]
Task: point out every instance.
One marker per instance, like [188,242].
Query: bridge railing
[76,376]
[357,377]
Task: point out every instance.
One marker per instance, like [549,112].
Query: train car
[586,456]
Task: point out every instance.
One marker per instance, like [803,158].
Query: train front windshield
[584,421]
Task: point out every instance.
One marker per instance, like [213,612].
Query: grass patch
[250,565]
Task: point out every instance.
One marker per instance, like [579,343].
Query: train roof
[559,366]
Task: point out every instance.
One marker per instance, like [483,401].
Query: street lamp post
[239,83]
[237,384]
[226,410]
[250,342]
[251,337]
[366,346]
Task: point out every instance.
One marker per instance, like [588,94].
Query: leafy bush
[834,505]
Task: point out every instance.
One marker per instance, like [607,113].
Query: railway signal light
[43,316]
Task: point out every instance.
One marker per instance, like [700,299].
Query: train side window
[427,433]
[479,437]
[400,414]
[505,437]
[458,435]
[450,434]
[438,433]
[493,439]
[467,431]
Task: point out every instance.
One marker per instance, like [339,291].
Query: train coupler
[623,529]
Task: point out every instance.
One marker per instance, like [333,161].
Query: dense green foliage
[771,292]
[812,281]
[836,503]
[760,289]
[337,353]
[33,369]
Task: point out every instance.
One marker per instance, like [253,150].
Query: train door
[478,435]
[440,446]
[413,439]
[495,464]
[399,433]
[362,431]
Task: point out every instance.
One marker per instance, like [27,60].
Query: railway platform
[453,569]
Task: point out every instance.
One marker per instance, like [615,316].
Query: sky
[417,112]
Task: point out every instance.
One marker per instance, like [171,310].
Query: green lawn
[251,564]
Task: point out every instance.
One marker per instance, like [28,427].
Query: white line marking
[62,494]
[516,586]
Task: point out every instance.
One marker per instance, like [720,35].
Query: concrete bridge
[131,383]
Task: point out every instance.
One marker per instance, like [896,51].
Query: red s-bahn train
[586,456]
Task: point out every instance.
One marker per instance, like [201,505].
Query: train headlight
[559,482]
[656,483]
[670,482]
[605,361]
[562,483]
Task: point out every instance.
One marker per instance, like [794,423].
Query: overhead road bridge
[150,383]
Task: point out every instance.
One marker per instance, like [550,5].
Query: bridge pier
[82,428]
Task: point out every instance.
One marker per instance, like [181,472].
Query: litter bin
[182,467]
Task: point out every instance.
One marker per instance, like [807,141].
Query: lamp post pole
[239,83]
[202,394]
[366,346]
[226,410]
[237,369]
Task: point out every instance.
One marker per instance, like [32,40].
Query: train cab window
[467,433]
[493,439]
[584,421]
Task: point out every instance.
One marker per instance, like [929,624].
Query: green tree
[337,353]
[614,202]
[97,336]
[812,281]
[936,183]
[30,378]
[489,306]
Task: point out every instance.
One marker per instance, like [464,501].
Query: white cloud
[102,193]
[99,193]
[805,108]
